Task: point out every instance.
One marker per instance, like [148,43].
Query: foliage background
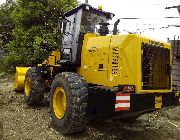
[28,31]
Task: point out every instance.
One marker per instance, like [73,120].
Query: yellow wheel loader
[97,75]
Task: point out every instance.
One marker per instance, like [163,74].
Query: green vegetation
[28,30]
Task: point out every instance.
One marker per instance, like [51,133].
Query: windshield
[90,22]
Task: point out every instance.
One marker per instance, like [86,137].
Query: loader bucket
[19,77]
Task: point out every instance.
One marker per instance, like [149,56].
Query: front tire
[33,87]
[68,103]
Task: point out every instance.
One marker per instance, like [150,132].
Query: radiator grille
[156,70]
[115,60]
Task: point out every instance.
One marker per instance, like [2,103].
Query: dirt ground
[20,122]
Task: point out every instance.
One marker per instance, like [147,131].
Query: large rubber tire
[34,87]
[75,89]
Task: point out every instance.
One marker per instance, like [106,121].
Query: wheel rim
[59,102]
[27,87]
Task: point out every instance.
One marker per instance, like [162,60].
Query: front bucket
[19,77]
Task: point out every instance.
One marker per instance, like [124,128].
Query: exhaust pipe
[115,30]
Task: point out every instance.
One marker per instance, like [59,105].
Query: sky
[152,13]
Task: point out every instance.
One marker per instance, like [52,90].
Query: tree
[6,23]
[34,22]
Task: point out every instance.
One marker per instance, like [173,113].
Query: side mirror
[59,23]
[62,25]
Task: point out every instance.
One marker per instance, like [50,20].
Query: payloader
[96,75]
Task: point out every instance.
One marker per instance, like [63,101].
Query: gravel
[21,122]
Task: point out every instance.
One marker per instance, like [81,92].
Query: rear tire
[68,103]
[33,87]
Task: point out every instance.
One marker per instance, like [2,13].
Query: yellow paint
[95,54]
[39,65]
[53,58]
[177,94]
[120,56]
[108,61]
[20,77]
[21,71]
[59,102]
[158,101]
[99,7]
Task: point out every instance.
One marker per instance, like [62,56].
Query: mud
[20,122]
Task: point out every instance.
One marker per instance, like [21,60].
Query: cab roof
[88,7]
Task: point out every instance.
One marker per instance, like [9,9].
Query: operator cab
[74,25]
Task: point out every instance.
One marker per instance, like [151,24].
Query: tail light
[127,88]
